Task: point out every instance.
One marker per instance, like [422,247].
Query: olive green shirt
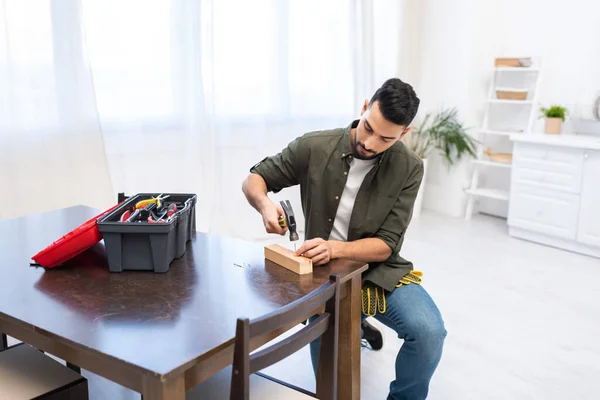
[319,162]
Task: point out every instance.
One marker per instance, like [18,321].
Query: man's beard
[370,154]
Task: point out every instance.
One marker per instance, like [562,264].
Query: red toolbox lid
[77,241]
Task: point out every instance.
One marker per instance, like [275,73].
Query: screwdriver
[172,209]
[169,212]
[142,213]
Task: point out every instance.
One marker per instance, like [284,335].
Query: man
[358,186]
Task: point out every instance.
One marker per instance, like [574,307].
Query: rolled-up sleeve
[284,169]
[395,224]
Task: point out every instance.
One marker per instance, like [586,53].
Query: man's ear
[404,132]
[364,107]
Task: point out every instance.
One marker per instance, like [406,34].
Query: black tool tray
[146,246]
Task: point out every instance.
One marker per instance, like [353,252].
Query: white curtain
[179,95]
[51,148]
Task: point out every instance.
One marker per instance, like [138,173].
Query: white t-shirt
[358,170]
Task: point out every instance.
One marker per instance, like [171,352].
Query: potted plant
[555,116]
[444,133]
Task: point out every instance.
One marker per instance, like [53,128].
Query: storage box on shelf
[514,62]
[511,94]
[501,158]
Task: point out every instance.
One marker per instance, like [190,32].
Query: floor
[523,319]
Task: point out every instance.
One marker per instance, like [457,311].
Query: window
[129,46]
[320,62]
[154,61]
[27,61]
[245,64]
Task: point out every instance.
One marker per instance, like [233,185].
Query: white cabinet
[555,196]
[589,211]
[548,167]
[545,211]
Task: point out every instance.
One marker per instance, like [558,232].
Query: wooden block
[287,259]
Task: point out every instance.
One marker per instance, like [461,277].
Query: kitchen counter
[554,192]
[564,140]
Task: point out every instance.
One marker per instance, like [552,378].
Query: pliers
[156,200]
[169,212]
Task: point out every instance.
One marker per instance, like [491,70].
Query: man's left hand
[320,251]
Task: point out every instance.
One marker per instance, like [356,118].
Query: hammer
[289,220]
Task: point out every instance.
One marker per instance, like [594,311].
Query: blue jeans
[413,315]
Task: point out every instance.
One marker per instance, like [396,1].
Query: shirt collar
[346,146]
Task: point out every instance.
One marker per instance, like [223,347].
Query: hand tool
[148,211]
[135,215]
[172,209]
[154,219]
[125,216]
[156,216]
[160,215]
[156,200]
[142,214]
[289,220]
[170,212]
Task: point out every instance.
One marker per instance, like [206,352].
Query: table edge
[72,344]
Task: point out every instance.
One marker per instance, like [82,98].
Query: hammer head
[290,219]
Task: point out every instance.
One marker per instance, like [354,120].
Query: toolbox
[141,245]
[71,244]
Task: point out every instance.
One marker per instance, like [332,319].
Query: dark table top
[157,322]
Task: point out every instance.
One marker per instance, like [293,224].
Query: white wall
[458,43]
[222,209]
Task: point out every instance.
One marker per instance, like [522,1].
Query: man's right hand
[255,189]
[270,213]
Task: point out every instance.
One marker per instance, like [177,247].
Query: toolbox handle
[186,206]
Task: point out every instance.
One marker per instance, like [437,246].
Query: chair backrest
[325,327]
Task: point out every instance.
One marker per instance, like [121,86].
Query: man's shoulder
[401,167]
[400,152]
[322,136]
[321,142]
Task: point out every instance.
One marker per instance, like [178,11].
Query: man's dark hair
[398,101]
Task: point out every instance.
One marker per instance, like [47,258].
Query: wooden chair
[240,382]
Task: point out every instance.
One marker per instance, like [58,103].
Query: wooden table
[157,334]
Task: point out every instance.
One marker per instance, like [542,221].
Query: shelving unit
[515,69]
[482,163]
[490,163]
[497,194]
[493,132]
[502,101]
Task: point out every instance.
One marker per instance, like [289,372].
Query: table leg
[349,342]
[171,389]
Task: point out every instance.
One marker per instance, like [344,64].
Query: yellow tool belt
[373,297]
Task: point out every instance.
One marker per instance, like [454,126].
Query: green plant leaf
[554,111]
[443,132]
